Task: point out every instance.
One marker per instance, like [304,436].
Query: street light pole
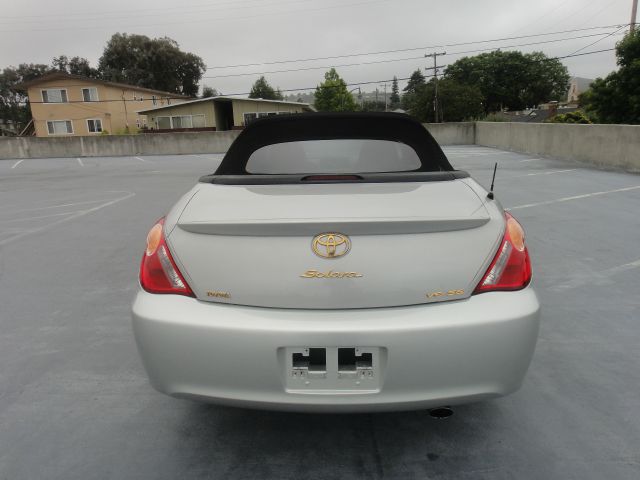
[349,93]
[634,11]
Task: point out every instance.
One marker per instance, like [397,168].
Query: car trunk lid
[262,245]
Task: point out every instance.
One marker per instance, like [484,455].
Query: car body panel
[249,309]
[438,354]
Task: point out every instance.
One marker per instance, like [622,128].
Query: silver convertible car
[334,263]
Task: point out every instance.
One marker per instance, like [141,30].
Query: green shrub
[493,117]
[577,116]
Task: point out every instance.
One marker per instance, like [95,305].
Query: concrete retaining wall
[168,143]
[455,133]
[616,146]
[117,145]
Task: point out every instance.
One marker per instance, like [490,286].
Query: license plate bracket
[343,369]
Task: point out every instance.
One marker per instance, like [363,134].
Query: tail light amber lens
[511,267]
[158,271]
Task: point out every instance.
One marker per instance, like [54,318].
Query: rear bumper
[439,354]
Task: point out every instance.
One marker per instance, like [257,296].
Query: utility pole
[634,11]
[436,107]
[386,104]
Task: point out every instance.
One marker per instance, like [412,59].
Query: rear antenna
[493,180]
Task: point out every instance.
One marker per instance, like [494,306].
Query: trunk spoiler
[354,226]
[393,177]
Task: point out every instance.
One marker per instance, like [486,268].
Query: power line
[181,11]
[158,97]
[427,47]
[545,15]
[331,86]
[407,78]
[325,67]
[107,12]
[572,14]
[585,53]
[599,40]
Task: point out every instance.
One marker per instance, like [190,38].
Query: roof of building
[222,97]
[537,115]
[66,76]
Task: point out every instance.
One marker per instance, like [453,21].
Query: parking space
[75,402]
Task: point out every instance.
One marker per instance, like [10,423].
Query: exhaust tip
[441,412]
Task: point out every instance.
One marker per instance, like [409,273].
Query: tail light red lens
[158,272]
[511,267]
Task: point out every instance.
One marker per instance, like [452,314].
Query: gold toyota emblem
[331,245]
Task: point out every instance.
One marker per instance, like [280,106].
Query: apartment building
[63,104]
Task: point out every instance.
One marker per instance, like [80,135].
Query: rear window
[333,156]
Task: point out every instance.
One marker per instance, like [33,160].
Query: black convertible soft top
[328,126]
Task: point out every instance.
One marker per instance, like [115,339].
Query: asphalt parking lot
[75,402]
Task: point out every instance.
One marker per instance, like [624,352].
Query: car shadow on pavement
[240,443]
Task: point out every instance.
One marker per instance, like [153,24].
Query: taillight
[158,271]
[511,267]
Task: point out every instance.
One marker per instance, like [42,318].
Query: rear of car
[336,263]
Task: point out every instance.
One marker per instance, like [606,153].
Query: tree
[156,63]
[512,80]
[14,102]
[457,102]
[616,98]
[208,92]
[394,99]
[373,106]
[415,81]
[262,89]
[74,66]
[332,94]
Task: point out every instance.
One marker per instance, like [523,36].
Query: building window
[198,121]
[249,117]
[154,100]
[94,125]
[90,94]
[54,95]
[181,121]
[163,122]
[59,127]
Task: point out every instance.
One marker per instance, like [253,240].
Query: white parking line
[598,277]
[576,197]
[17,163]
[542,173]
[80,161]
[9,210]
[530,160]
[27,219]
[66,219]
[141,159]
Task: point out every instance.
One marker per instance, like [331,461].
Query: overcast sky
[240,32]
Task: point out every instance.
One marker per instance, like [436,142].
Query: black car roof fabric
[328,126]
